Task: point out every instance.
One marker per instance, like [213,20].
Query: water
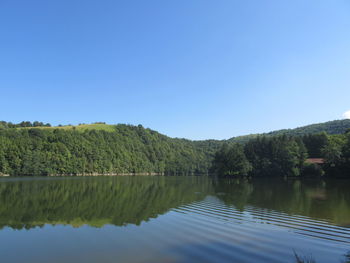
[172,219]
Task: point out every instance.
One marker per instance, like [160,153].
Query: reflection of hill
[329,200]
[31,202]
[94,201]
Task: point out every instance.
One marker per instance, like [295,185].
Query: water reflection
[94,201]
[173,219]
[131,200]
[326,200]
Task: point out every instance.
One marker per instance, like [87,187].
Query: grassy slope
[82,127]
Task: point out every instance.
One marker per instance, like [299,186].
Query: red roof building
[315,160]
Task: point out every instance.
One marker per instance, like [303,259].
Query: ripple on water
[222,233]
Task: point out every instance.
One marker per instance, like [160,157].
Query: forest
[108,149]
[286,156]
[37,148]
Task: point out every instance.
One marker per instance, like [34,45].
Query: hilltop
[83,127]
[330,127]
[95,149]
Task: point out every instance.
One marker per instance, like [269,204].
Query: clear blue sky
[187,68]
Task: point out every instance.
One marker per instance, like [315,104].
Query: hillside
[99,149]
[86,149]
[83,127]
[330,127]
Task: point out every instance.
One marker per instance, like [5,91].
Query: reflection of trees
[235,192]
[328,199]
[131,200]
[94,201]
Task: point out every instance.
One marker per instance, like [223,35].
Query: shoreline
[87,175]
[107,174]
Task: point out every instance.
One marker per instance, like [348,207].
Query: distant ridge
[330,127]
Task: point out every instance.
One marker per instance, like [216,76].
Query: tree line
[128,149]
[330,127]
[4,124]
[38,149]
[285,155]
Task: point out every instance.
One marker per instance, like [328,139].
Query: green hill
[330,127]
[39,149]
[99,149]
[82,127]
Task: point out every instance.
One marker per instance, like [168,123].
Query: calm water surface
[172,219]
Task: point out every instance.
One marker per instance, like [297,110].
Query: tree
[231,161]
[335,154]
[122,149]
[314,144]
[276,156]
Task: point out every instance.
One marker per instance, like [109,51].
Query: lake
[172,219]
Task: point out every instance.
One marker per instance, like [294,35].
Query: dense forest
[330,127]
[286,155]
[108,149]
[37,148]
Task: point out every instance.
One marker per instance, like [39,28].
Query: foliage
[264,156]
[285,156]
[330,127]
[123,150]
[312,169]
[231,161]
[315,143]
[337,156]
[39,149]
[4,124]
